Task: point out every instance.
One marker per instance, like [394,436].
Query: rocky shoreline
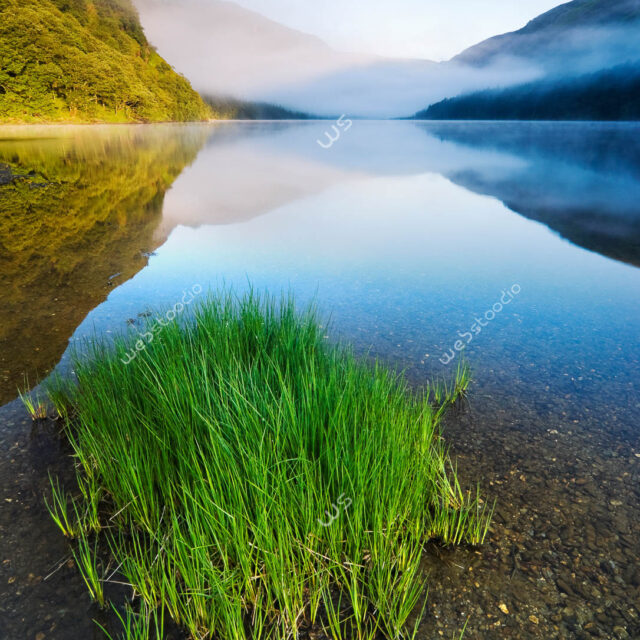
[561,560]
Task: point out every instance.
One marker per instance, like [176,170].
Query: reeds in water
[258,480]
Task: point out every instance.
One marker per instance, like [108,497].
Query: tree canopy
[86,60]
[611,94]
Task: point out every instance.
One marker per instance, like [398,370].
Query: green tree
[86,60]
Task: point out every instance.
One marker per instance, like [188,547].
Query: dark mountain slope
[612,94]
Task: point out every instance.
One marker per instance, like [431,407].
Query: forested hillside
[586,53]
[612,94]
[86,60]
[233,109]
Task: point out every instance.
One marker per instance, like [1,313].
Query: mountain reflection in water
[81,208]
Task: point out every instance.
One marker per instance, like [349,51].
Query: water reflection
[79,209]
[82,208]
[581,180]
[405,232]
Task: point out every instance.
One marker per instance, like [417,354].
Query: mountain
[86,60]
[612,94]
[583,35]
[587,53]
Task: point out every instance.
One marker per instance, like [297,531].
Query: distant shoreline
[100,122]
[67,123]
[73,123]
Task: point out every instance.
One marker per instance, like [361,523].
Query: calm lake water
[516,243]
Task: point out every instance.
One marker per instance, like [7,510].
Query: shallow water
[406,234]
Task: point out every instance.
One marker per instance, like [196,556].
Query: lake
[515,246]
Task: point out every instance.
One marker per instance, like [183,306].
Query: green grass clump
[258,480]
[86,557]
[36,408]
[147,625]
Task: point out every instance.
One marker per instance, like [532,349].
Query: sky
[431,29]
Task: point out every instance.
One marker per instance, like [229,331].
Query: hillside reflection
[79,210]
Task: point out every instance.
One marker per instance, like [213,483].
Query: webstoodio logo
[466,338]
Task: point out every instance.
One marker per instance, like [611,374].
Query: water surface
[405,234]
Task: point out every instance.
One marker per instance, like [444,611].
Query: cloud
[396,88]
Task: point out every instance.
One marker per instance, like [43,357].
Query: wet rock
[6,176]
[582,590]
[583,616]
[565,587]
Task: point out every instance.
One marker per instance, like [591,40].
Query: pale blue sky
[433,29]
